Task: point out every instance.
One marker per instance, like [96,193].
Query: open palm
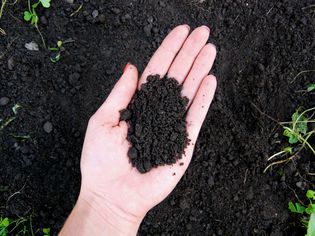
[106,171]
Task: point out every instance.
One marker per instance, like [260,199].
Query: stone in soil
[157,124]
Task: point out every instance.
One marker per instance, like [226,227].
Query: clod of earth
[157,125]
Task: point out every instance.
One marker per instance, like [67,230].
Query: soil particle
[157,125]
[48,127]
[4,101]
[32,46]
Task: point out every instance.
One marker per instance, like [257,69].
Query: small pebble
[4,101]
[11,63]
[32,46]
[69,1]
[48,127]
[95,13]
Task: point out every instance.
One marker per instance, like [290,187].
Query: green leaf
[15,108]
[300,122]
[59,43]
[297,208]
[27,16]
[292,136]
[34,20]
[310,209]
[5,222]
[288,150]
[45,3]
[46,231]
[310,87]
[311,226]
[310,194]
[55,58]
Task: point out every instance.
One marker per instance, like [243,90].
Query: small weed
[4,123]
[56,52]
[298,133]
[311,88]
[31,14]
[22,226]
[307,212]
[46,231]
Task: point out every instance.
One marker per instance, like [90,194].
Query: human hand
[114,196]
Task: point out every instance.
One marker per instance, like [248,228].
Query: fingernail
[187,26]
[126,66]
[206,27]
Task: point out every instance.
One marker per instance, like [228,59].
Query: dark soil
[157,124]
[261,45]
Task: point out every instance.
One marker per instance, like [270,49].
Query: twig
[2,32]
[2,7]
[261,112]
[17,192]
[310,6]
[245,177]
[295,194]
[300,73]
[76,11]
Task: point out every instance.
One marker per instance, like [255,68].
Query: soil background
[262,45]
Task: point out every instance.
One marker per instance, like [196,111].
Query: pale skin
[114,196]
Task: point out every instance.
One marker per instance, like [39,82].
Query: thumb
[119,97]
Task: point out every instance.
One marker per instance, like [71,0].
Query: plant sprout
[31,15]
[298,133]
[55,57]
[307,212]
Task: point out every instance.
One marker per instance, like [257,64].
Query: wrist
[94,216]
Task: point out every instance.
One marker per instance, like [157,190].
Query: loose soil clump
[157,124]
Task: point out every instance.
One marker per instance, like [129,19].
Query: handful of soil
[157,124]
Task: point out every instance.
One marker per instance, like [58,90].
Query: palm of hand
[106,171]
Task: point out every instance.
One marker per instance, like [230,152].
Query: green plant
[21,227]
[46,231]
[298,133]
[31,14]
[307,212]
[15,227]
[55,57]
[310,87]
[4,123]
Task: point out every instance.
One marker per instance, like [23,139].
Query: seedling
[311,88]
[22,226]
[307,212]
[15,227]
[31,15]
[298,134]
[46,231]
[4,123]
[56,55]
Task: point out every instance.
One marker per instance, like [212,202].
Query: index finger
[165,54]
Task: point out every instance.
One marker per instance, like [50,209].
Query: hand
[114,196]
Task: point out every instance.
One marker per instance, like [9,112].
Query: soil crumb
[157,124]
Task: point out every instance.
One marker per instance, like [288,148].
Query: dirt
[157,125]
[262,46]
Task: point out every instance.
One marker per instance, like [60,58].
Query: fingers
[119,97]
[195,117]
[165,54]
[188,53]
[199,107]
[200,69]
